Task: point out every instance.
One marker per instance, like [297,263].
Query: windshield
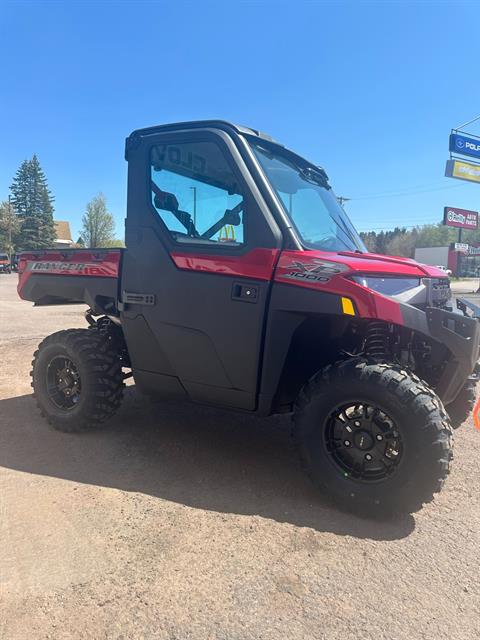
[307,198]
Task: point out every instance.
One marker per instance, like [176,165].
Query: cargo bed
[71,276]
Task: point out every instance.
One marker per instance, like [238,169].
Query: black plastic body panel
[459,333]
[100,294]
[289,307]
[197,332]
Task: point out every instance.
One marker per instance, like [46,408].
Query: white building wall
[432,255]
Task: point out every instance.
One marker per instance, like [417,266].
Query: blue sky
[368,90]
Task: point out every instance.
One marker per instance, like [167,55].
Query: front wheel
[462,406]
[77,379]
[373,437]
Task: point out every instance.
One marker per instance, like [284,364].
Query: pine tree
[33,203]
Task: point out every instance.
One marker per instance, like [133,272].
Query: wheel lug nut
[357,423]
[368,456]
[379,437]
[347,443]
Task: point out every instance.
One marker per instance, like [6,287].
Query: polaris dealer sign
[465,145]
[461,218]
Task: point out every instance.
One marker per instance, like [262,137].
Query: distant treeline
[402,241]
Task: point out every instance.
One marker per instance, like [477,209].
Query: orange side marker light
[476,414]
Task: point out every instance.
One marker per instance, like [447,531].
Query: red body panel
[81,262]
[368,303]
[371,263]
[257,264]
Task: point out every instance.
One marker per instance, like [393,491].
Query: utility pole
[194,206]
[9,230]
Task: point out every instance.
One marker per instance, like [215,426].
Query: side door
[201,252]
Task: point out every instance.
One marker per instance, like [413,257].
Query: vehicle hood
[374,263]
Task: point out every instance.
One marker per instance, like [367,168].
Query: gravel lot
[184,522]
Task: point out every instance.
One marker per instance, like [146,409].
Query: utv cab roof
[202,124]
[134,138]
[223,125]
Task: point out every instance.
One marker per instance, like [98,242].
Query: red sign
[461,218]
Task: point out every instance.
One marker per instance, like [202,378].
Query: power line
[397,226]
[400,194]
[413,187]
[420,219]
[467,123]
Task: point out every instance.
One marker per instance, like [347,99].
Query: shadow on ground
[200,457]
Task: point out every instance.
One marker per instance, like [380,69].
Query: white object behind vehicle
[447,271]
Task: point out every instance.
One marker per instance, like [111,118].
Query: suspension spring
[376,339]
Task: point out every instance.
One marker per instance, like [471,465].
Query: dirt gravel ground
[179,522]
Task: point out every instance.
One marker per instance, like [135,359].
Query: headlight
[389,286]
[419,292]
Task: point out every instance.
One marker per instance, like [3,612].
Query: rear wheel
[77,379]
[373,437]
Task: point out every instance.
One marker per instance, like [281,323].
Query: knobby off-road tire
[462,406]
[90,372]
[417,459]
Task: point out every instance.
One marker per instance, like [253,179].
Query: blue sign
[465,145]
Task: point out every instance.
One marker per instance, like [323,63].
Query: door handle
[244,292]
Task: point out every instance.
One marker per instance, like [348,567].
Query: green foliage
[33,203]
[9,227]
[98,224]
[116,243]
[403,242]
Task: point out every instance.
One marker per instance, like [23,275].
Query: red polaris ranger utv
[245,285]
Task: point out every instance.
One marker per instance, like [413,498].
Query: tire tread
[105,386]
[410,390]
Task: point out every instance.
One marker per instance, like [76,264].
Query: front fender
[459,333]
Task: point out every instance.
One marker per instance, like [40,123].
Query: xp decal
[315,270]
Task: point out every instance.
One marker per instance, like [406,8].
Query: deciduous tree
[98,224]
[9,227]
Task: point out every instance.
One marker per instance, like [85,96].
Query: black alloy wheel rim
[63,383]
[363,442]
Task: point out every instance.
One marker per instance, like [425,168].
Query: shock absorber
[376,339]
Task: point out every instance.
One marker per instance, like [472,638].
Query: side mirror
[166,201]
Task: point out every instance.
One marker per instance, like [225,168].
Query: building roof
[62,231]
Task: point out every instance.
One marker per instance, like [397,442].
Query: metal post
[9,230]
[194,206]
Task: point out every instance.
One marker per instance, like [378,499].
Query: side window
[196,194]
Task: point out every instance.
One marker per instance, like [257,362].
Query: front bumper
[460,333]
